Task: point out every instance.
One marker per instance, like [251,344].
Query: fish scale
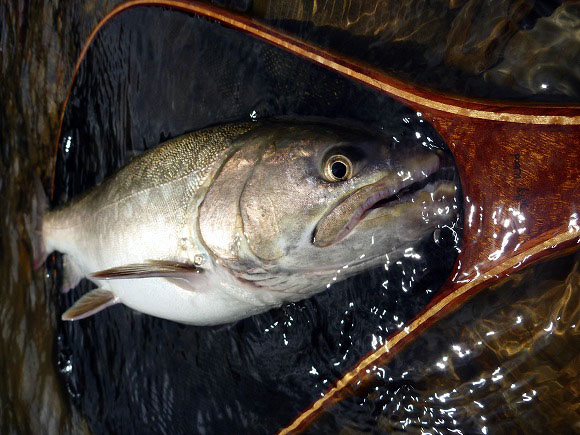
[189,155]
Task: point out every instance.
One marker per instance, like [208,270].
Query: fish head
[319,196]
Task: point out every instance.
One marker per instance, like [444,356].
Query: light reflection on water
[521,350]
[505,362]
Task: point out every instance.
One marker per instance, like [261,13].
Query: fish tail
[33,222]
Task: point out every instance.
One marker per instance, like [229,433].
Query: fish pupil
[338,169]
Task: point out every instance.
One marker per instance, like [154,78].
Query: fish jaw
[344,216]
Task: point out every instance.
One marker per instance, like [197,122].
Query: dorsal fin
[89,304]
[150,269]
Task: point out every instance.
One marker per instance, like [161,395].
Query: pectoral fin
[89,304]
[150,269]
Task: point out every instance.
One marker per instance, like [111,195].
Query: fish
[233,220]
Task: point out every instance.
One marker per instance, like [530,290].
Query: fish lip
[399,196]
[402,192]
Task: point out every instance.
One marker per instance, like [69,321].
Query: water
[504,50]
[506,362]
[125,372]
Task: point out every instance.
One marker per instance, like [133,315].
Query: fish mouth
[379,199]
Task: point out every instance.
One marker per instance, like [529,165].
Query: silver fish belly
[221,224]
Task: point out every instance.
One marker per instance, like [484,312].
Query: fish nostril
[444,237]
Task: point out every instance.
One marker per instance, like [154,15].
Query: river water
[505,362]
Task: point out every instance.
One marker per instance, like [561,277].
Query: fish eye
[338,168]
